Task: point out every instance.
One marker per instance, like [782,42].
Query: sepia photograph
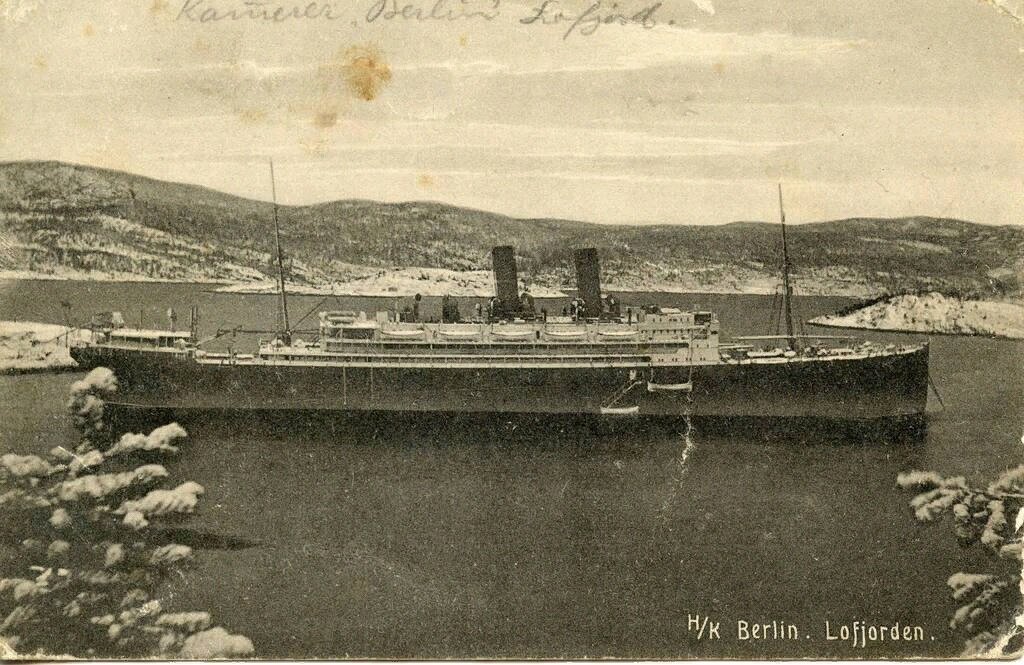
[511,329]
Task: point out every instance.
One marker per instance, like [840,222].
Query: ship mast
[787,290]
[280,261]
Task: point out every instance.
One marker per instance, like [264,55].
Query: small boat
[620,410]
[669,387]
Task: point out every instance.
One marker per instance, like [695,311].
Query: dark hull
[878,387]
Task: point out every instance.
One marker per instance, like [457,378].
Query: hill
[70,220]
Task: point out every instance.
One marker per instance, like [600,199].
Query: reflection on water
[462,536]
[677,478]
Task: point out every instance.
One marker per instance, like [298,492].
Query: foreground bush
[988,603]
[84,557]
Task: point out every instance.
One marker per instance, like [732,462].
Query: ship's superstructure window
[362,332]
[147,338]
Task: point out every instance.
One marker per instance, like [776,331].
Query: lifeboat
[669,387]
[565,334]
[620,410]
[618,334]
[513,335]
[772,353]
[402,334]
[458,334]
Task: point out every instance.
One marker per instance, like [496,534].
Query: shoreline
[27,276]
[352,290]
[360,289]
[24,371]
[944,333]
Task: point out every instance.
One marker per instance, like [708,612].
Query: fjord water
[458,537]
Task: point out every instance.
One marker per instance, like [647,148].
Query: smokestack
[506,281]
[588,280]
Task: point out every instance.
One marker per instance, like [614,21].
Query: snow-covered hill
[64,220]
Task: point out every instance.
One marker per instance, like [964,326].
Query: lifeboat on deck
[618,334]
[513,335]
[458,334]
[565,334]
[402,334]
[771,353]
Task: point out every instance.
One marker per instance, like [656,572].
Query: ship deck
[441,357]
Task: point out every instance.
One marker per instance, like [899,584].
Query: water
[442,537]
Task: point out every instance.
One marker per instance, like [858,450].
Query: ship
[596,357]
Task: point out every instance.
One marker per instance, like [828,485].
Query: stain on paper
[365,71]
[252,116]
[356,71]
[202,46]
[325,119]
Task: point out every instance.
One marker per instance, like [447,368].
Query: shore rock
[934,313]
[28,346]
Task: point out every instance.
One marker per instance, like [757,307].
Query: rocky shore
[933,313]
[27,346]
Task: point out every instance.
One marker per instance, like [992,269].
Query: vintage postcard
[511,329]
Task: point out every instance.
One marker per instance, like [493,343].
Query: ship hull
[861,388]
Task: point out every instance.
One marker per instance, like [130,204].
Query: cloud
[624,48]
[244,69]
[534,52]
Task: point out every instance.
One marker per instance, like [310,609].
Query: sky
[859,108]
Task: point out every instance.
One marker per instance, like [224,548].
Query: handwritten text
[590,19]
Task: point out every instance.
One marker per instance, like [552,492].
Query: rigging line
[312,309]
[935,389]
[66,333]
[776,311]
[775,319]
[799,317]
